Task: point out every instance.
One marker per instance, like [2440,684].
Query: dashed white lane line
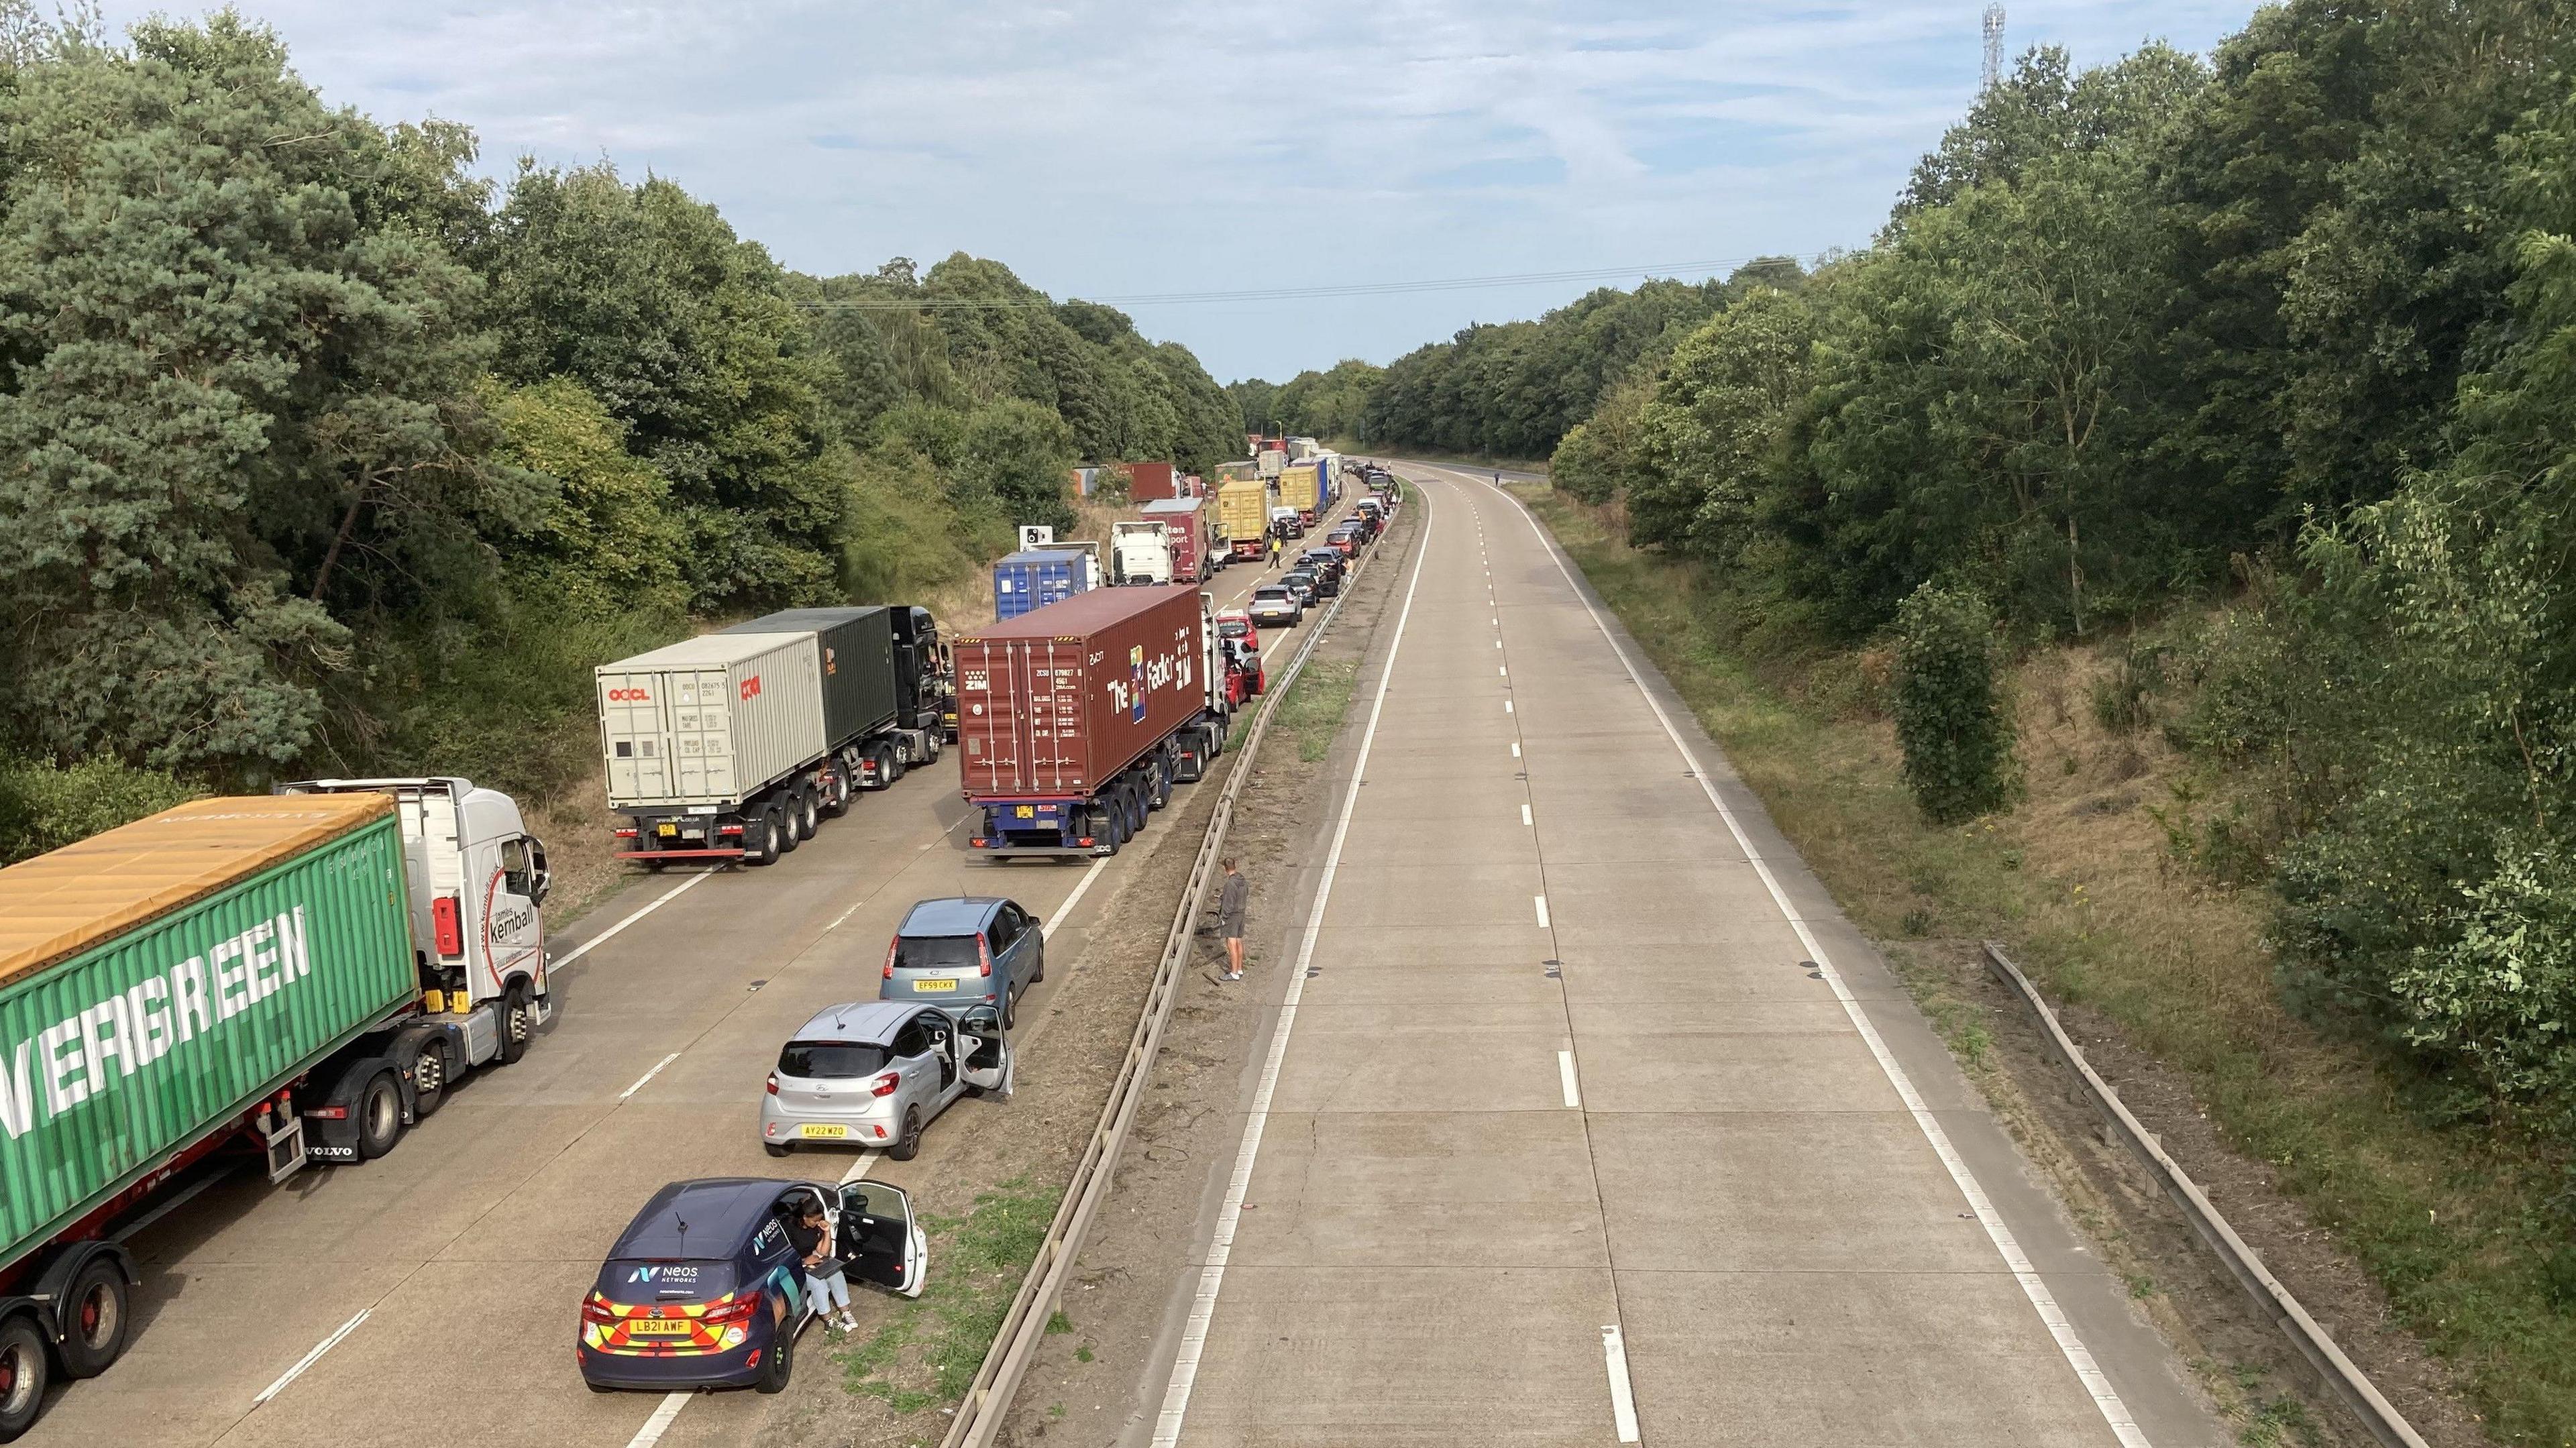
[1194,1330]
[647,1076]
[1502,670]
[1623,1398]
[2106,1399]
[1080,888]
[611,933]
[1507,706]
[310,1358]
[1565,1079]
[1516,749]
[1541,902]
[860,1167]
[660,1423]
[1525,815]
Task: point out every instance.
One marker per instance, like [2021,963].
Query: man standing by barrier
[1229,919]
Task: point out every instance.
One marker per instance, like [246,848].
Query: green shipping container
[160,980]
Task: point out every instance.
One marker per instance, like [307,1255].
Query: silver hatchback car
[874,1073]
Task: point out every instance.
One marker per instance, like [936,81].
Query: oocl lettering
[629,696]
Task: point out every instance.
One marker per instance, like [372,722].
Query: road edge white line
[1623,1396]
[2106,1399]
[1185,1361]
[612,932]
[1081,888]
[310,1358]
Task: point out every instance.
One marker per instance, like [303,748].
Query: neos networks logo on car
[67,1063]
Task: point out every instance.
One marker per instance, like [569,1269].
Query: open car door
[879,1239]
[989,1063]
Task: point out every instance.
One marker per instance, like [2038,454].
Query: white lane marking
[660,1423]
[1507,706]
[1525,818]
[1498,643]
[860,1167]
[1080,887]
[2106,1399]
[1541,902]
[1516,749]
[310,1358]
[648,1076]
[1185,1363]
[1623,1399]
[1565,1078]
[605,936]
[1500,669]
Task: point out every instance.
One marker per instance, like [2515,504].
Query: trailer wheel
[379,1112]
[836,795]
[94,1319]
[518,1025]
[782,818]
[807,808]
[760,839]
[889,764]
[1158,783]
[1137,809]
[1105,826]
[23,1371]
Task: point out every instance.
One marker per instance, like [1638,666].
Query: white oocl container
[710,720]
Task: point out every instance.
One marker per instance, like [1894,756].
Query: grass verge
[1313,710]
[2081,879]
[927,1352]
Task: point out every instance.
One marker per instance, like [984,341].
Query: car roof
[953,915]
[864,1023]
[710,1217]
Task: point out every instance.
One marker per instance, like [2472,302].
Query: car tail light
[598,1309]
[892,946]
[885,1084]
[983,957]
[733,1314]
[444,925]
[773,1083]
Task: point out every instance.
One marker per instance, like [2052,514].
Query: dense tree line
[317,450]
[2290,328]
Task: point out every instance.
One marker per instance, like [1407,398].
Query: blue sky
[1156,147]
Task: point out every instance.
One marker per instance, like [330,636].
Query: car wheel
[908,1145]
[782,1360]
[95,1324]
[1039,974]
[782,819]
[518,1025]
[773,1148]
[379,1113]
[23,1371]
[1010,1011]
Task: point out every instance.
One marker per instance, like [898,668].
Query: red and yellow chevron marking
[611,1327]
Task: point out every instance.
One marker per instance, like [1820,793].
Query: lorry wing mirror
[541,880]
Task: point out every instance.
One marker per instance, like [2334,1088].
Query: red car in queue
[1241,640]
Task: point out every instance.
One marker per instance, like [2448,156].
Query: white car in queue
[876,1073]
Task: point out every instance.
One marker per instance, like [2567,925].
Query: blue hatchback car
[704,1289]
[965,951]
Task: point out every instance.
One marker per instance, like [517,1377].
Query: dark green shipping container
[145,1041]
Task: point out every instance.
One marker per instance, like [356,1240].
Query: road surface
[444,1280]
[1586,1118]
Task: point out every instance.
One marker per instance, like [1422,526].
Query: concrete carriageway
[1589,1120]
[445,1279]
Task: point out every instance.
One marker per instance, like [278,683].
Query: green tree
[1950,720]
[1715,424]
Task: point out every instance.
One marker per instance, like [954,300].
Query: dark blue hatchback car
[704,1290]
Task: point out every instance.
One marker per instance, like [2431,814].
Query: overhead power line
[1290,294]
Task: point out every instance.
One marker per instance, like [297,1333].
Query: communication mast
[1994,46]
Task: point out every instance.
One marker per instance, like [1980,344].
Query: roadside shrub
[1950,721]
[44,807]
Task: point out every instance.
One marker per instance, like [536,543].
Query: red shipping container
[1054,703]
[1148,481]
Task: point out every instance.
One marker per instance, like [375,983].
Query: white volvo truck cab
[477,881]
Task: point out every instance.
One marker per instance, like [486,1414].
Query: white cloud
[1152,147]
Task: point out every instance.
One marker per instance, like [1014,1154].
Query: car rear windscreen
[1233,628]
[830,1060]
[639,1280]
[934,952]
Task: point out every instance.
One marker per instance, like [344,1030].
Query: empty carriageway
[1587,1120]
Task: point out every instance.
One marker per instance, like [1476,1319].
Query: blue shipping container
[1034,579]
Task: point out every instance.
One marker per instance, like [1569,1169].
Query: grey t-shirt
[1229,904]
